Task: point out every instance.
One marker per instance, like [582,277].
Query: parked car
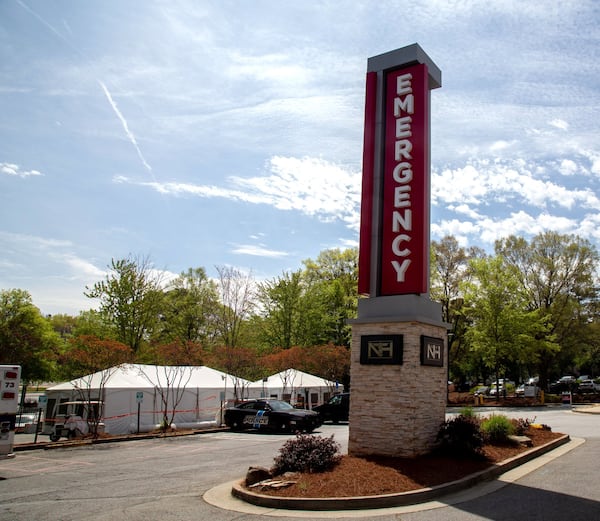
[567,379]
[481,390]
[271,415]
[588,386]
[26,423]
[563,384]
[496,390]
[337,409]
[502,382]
[520,391]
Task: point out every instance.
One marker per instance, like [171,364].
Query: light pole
[263,387]
[224,397]
[450,336]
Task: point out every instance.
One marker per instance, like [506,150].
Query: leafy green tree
[282,306]
[94,323]
[332,284]
[449,269]
[558,274]
[131,298]
[501,326]
[589,358]
[26,337]
[189,308]
[63,324]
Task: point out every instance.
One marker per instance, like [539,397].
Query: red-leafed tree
[329,361]
[95,361]
[178,353]
[241,363]
[285,362]
[282,359]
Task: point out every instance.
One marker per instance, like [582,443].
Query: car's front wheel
[235,426]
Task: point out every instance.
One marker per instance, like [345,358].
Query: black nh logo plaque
[381,349]
[432,351]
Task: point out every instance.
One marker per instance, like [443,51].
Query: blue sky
[202,133]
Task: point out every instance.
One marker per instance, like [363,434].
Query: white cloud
[568,167]
[15,170]
[258,251]
[498,146]
[311,186]
[487,230]
[270,68]
[482,182]
[82,269]
[560,124]
[589,227]
[465,210]
[461,230]
[460,185]
[349,243]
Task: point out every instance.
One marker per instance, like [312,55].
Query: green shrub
[460,436]
[307,453]
[552,398]
[497,428]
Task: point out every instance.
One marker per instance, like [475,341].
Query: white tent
[196,394]
[295,386]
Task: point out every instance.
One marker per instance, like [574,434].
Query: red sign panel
[366,212]
[405,205]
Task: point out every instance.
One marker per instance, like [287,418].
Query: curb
[49,445]
[393,500]
[587,408]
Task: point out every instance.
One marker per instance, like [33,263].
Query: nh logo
[381,349]
[434,351]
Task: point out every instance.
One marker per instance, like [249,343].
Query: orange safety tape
[125,415]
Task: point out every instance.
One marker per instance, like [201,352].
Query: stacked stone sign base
[397,406]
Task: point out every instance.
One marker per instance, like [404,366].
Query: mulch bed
[355,476]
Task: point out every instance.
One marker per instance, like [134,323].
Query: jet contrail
[130,136]
[125,126]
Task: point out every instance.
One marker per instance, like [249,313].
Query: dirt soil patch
[355,476]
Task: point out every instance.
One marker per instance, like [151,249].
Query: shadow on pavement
[520,502]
